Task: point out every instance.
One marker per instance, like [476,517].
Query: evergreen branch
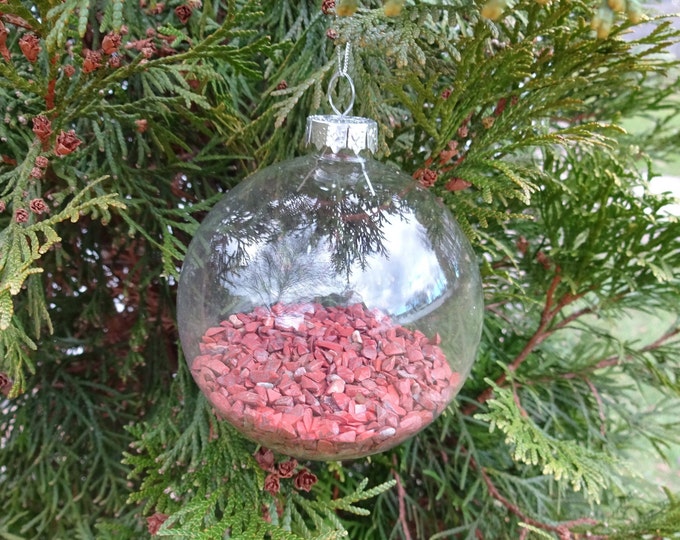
[73,433]
[167,451]
[347,502]
[659,520]
[326,523]
[171,248]
[587,134]
[657,343]
[26,248]
[284,107]
[526,188]
[178,34]
[582,467]
[12,80]
[15,348]
[59,17]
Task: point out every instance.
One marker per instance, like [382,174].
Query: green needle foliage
[124,122]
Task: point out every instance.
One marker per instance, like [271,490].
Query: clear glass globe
[329,307]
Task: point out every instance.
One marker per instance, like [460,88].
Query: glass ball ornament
[329,307]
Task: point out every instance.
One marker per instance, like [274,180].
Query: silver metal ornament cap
[340,132]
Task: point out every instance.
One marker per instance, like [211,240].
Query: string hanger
[343,71]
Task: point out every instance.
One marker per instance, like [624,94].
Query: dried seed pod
[111,43]
[38,206]
[304,480]
[457,184]
[30,47]
[21,215]
[67,142]
[328,7]
[265,458]
[42,162]
[272,483]
[115,61]
[4,51]
[287,468]
[92,61]
[426,177]
[183,13]
[5,384]
[42,127]
[155,521]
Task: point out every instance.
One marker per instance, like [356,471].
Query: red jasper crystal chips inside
[323,382]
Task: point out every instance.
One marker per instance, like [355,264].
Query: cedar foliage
[518,119]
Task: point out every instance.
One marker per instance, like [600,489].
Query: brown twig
[51,85]
[16,21]
[563,530]
[538,336]
[401,494]
[581,312]
[515,396]
[600,405]
[493,308]
[572,317]
[615,359]
[550,310]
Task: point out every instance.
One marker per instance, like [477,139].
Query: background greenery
[517,115]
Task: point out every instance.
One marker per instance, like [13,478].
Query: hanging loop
[331,84]
[343,71]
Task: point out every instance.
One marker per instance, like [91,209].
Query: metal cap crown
[339,132]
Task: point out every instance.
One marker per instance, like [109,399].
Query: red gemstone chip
[323,382]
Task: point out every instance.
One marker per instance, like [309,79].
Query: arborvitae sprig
[68,473]
[565,460]
[200,472]
[93,96]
